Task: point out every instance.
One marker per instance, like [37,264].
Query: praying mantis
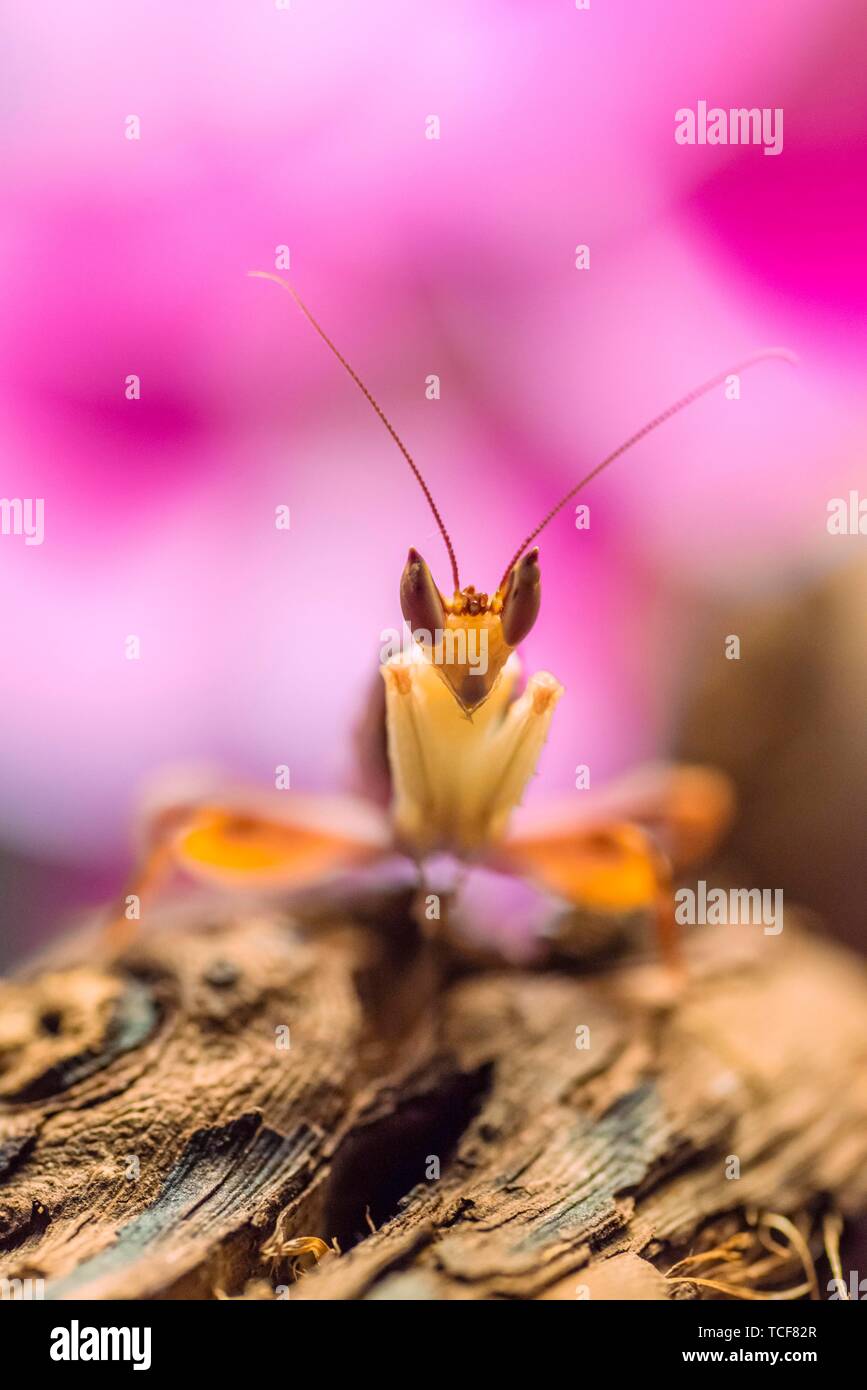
[463,740]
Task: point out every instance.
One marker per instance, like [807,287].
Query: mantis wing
[255,843]
[278,849]
[617,856]
[614,849]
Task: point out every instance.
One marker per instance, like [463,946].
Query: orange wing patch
[614,869]
[231,847]
[257,848]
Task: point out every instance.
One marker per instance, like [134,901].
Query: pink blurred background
[305,127]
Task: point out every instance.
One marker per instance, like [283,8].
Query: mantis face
[462,744]
[470,637]
[461,747]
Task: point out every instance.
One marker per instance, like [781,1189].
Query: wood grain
[156,1141]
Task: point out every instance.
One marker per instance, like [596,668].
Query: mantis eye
[522,599]
[420,599]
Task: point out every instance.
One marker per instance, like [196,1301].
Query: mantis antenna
[767,354]
[284,285]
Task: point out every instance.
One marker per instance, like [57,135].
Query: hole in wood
[379,1164]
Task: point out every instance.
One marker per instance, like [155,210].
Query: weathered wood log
[175,1124]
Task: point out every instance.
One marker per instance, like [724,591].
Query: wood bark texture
[178,1122]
